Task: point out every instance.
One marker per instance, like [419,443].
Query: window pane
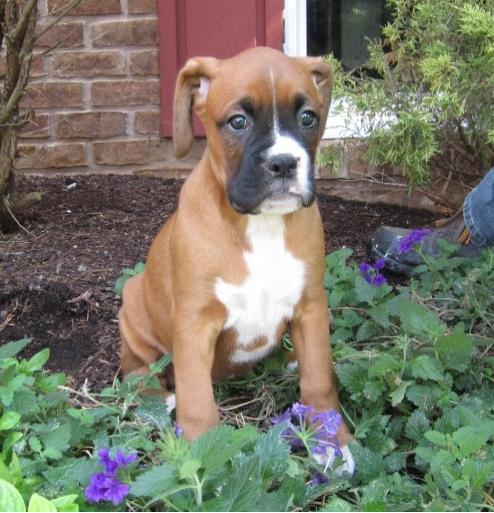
[342,27]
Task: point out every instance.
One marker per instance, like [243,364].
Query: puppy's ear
[322,75]
[191,91]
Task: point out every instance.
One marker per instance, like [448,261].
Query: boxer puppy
[242,258]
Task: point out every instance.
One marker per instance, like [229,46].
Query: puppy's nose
[283,164]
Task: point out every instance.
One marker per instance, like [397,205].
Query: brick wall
[95,95]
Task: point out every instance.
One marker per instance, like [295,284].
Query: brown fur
[172,305]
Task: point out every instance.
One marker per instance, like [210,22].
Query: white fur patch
[348,465]
[171,402]
[270,291]
[284,144]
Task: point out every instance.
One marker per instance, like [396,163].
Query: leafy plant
[430,109]
[127,273]
[415,369]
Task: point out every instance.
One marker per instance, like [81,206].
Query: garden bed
[56,282]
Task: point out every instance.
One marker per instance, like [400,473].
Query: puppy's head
[264,115]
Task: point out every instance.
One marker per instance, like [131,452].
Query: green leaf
[66,503]
[337,504]
[455,351]
[418,320]
[56,441]
[470,439]
[40,504]
[383,365]
[424,367]
[364,291]
[216,447]
[72,473]
[273,453]
[436,438]
[10,498]
[189,469]
[417,425]
[153,410]
[152,483]
[380,313]
[335,297]
[12,348]
[9,420]
[25,402]
[242,490]
[368,463]
[38,360]
[398,395]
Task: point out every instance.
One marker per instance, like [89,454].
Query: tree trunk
[18,23]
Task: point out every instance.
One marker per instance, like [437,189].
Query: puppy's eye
[238,122]
[307,119]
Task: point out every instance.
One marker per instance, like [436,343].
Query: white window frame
[340,125]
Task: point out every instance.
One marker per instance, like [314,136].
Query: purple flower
[177,430]
[365,268]
[371,273]
[105,486]
[301,410]
[379,264]
[284,417]
[410,240]
[379,280]
[317,434]
[318,478]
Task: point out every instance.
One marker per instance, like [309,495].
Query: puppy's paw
[292,366]
[171,402]
[347,466]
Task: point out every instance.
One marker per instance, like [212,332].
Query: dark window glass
[343,27]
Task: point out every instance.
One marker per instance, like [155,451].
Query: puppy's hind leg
[140,347]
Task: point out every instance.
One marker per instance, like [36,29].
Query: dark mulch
[56,283]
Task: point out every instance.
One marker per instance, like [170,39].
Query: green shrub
[430,109]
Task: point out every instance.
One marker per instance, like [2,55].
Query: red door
[217,28]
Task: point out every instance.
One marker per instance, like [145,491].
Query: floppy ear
[323,79]
[191,91]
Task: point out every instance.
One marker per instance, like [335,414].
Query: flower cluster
[314,431]
[372,273]
[409,241]
[105,486]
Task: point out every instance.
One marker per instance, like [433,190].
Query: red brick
[142,6]
[91,125]
[38,156]
[121,153]
[86,7]
[37,66]
[144,62]
[37,127]
[62,35]
[88,64]
[125,92]
[147,122]
[126,32]
[50,95]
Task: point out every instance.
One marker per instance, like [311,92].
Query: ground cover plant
[416,370]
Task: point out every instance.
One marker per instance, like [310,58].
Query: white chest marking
[271,290]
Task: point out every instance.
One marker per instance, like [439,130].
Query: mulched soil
[56,282]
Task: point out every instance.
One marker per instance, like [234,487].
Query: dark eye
[238,122]
[307,119]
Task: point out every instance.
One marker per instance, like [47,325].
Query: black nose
[283,164]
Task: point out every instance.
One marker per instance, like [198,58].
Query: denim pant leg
[478,211]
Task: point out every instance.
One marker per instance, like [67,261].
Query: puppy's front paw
[347,466]
[171,402]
